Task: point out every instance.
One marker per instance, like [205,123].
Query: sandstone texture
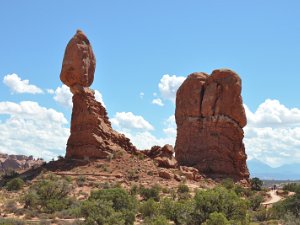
[79,62]
[91,133]
[18,162]
[164,156]
[210,118]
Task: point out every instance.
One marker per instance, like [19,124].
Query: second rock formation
[210,118]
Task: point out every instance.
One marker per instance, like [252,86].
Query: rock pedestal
[210,118]
[91,133]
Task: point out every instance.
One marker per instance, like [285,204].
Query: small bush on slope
[49,195]
[219,200]
[119,205]
[14,184]
[152,192]
[216,219]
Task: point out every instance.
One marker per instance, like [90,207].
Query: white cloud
[32,129]
[157,101]
[142,95]
[127,120]
[273,133]
[168,86]
[17,85]
[273,114]
[170,127]
[99,97]
[144,139]
[50,91]
[63,96]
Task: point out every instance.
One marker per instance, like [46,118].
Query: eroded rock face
[91,133]
[164,156]
[210,118]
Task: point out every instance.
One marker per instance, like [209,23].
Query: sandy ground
[274,198]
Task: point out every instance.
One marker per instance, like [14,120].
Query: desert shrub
[183,192]
[14,184]
[294,187]
[217,219]
[243,192]
[260,214]
[256,184]
[10,206]
[133,174]
[289,205]
[134,190]
[11,222]
[152,192]
[101,212]
[156,220]
[149,208]
[49,195]
[228,183]
[80,181]
[123,204]
[255,201]
[183,188]
[291,219]
[180,212]
[219,200]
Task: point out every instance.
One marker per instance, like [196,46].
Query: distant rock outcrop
[164,156]
[18,162]
[210,118]
[91,133]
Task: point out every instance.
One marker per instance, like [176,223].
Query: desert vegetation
[52,198]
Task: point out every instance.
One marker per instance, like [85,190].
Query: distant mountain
[263,171]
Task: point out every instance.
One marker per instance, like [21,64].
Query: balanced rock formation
[164,156]
[210,118]
[91,133]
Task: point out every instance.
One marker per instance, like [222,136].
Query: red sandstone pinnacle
[79,62]
[210,117]
[91,133]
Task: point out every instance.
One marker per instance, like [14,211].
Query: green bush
[152,192]
[80,181]
[228,183]
[219,200]
[183,192]
[157,220]
[260,214]
[180,212]
[255,201]
[150,208]
[183,188]
[294,187]
[11,222]
[49,194]
[256,184]
[14,184]
[101,212]
[216,219]
[289,205]
[122,203]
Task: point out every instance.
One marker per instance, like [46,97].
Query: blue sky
[136,43]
